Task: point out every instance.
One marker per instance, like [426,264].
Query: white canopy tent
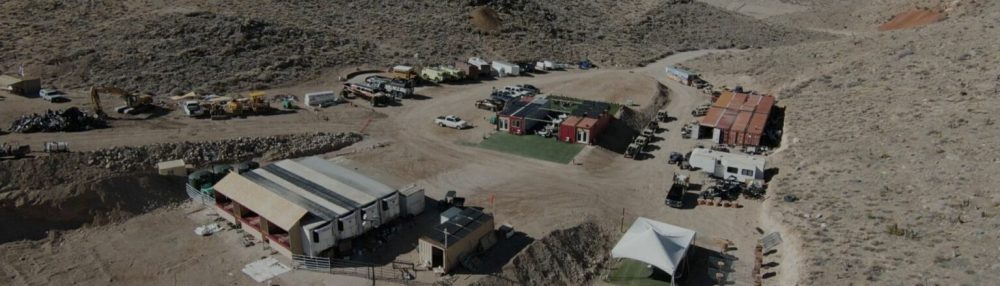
[656,243]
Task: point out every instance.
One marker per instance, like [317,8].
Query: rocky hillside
[177,46]
[889,150]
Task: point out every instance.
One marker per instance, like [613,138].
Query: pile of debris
[240,149]
[561,258]
[71,119]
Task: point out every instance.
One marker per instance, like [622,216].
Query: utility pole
[621,227]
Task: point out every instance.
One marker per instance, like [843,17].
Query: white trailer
[502,69]
[317,236]
[726,165]
[322,98]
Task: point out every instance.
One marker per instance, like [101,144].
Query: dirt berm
[573,256]
[67,191]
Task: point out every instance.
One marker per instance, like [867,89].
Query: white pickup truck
[451,121]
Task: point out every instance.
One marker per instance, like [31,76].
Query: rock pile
[561,258]
[240,149]
[71,119]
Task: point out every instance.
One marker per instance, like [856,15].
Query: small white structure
[322,98]
[413,200]
[502,69]
[172,168]
[656,243]
[725,165]
[480,63]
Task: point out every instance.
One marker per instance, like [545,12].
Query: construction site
[707,142]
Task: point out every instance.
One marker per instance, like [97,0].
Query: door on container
[504,123]
[437,257]
[583,136]
[716,135]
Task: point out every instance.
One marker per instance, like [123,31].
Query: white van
[322,98]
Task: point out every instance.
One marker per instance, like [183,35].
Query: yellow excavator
[134,104]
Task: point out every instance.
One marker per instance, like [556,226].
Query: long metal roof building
[312,184]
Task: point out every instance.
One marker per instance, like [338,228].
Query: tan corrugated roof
[6,80]
[272,207]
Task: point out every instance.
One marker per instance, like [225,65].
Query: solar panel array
[459,226]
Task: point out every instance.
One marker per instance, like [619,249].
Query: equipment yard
[706,142]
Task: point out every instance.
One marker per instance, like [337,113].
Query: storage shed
[725,165]
[470,70]
[172,168]
[502,69]
[448,243]
[21,86]
[483,65]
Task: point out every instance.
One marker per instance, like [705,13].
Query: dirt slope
[176,46]
[888,139]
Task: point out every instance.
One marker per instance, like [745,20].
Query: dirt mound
[31,214]
[572,256]
[911,19]
[485,19]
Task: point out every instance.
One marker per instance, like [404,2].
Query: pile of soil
[485,19]
[911,19]
[573,256]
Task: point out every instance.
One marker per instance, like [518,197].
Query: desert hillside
[888,152]
[223,46]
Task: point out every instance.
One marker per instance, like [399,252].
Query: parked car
[52,95]
[675,195]
[451,121]
[489,104]
[529,87]
[675,158]
[192,108]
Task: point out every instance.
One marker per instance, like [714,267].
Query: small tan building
[172,168]
[465,233]
[20,86]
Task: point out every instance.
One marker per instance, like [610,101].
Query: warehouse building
[307,206]
[738,119]
[727,165]
[465,231]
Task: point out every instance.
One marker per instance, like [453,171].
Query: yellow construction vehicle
[235,107]
[133,104]
[258,103]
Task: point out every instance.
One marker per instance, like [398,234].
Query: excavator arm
[95,97]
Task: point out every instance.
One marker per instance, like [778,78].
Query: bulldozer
[258,104]
[134,104]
